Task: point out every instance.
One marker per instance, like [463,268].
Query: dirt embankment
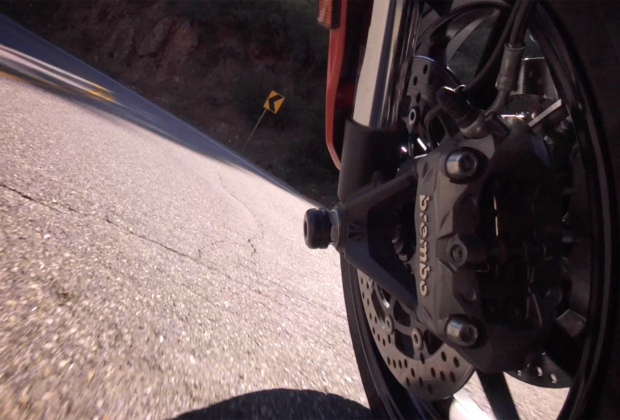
[198,71]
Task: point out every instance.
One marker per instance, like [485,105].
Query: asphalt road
[142,279]
[146,271]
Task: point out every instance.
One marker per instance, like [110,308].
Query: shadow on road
[282,404]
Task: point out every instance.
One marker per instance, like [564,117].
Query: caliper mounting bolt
[461,165]
[462,332]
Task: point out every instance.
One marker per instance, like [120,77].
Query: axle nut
[317,228]
[462,332]
[461,165]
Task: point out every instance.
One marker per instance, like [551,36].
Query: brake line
[513,53]
[518,32]
[514,33]
[482,74]
[475,83]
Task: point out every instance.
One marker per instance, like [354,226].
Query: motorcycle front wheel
[580,42]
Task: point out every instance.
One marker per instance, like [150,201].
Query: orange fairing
[334,65]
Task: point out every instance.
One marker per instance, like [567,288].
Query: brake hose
[474,84]
[520,27]
[482,74]
[514,33]
[513,53]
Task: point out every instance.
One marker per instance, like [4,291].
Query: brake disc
[424,365]
[535,91]
[543,372]
[427,77]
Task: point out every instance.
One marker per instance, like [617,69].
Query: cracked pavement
[141,279]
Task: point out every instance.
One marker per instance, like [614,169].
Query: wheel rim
[571,90]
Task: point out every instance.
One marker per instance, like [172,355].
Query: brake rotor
[543,372]
[427,77]
[535,92]
[424,365]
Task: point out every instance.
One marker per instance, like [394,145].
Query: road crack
[107,220]
[28,197]
[102,219]
[252,245]
[131,232]
[259,225]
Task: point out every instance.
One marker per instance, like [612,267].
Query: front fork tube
[387,62]
[371,149]
[380,89]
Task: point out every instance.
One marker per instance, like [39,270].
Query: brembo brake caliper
[487,239]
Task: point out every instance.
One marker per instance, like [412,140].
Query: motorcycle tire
[588,46]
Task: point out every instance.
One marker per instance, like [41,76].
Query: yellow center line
[106,94]
[25,80]
[10,76]
[37,81]
[102,95]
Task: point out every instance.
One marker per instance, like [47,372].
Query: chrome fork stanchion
[387,60]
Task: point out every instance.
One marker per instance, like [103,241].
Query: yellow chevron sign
[274,102]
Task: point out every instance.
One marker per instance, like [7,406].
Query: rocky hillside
[212,63]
